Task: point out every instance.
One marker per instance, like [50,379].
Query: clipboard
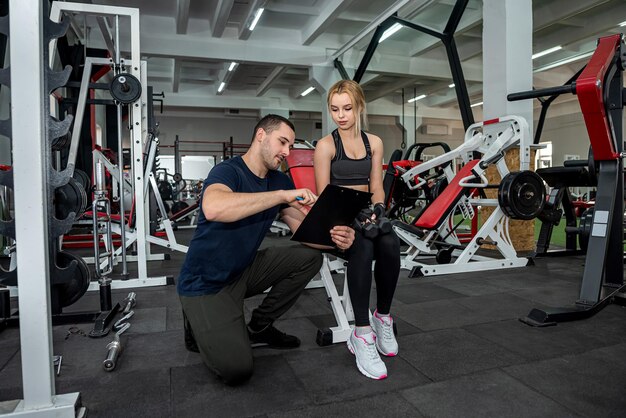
[335,206]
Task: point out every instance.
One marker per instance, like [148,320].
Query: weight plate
[77,286]
[69,198]
[178,206]
[125,88]
[165,190]
[522,195]
[83,179]
[584,228]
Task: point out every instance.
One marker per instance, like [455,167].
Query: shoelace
[372,353]
[387,332]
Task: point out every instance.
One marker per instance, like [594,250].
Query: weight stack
[522,233]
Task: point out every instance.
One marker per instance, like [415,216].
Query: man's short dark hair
[269,123]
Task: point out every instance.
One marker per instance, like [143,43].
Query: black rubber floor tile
[445,354]
[424,292]
[486,394]
[140,352]
[147,320]
[378,405]
[473,286]
[535,343]
[196,392]
[592,383]
[119,394]
[9,345]
[551,296]
[459,312]
[330,374]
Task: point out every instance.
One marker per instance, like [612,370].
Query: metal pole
[120,152]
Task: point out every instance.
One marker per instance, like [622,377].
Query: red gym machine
[601,96]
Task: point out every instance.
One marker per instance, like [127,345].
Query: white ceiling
[189,45]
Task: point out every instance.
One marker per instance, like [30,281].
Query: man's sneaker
[272,338]
[385,340]
[190,340]
[367,359]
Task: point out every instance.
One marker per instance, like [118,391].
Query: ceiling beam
[552,12]
[329,12]
[595,24]
[182,16]
[244,30]
[220,17]
[267,83]
[389,88]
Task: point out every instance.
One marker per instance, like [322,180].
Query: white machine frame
[491,139]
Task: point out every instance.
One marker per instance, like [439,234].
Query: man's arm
[342,236]
[221,204]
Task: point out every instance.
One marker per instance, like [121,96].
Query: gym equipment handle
[548,91]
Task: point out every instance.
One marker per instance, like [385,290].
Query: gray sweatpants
[218,321]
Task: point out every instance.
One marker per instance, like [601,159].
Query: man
[223,266]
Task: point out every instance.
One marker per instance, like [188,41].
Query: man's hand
[300,199]
[342,236]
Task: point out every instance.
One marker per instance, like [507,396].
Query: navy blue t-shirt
[220,251]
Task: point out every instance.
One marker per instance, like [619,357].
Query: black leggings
[385,249]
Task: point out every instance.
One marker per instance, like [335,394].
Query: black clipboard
[335,206]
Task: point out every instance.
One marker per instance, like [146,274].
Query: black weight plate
[125,88]
[178,206]
[77,286]
[438,188]
[83,179]
[521,195]
[586,221]
[165,190]
[69,198]
[61,142]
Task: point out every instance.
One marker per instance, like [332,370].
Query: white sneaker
[367,359]
[385,339]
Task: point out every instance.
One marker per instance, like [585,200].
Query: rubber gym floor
[463,353]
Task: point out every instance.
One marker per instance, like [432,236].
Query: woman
[352,158]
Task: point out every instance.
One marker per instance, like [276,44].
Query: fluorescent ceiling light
[416,98]
[257,16]
[477,104]
[563,61]
[451,85]
[307,91]
[547,51]
[221,87]
[393,29]
[232,66]
[623,23]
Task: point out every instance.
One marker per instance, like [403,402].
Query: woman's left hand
[342,236]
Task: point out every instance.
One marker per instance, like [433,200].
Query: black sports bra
[345,171]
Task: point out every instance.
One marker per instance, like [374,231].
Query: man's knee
[311,260]
[235,373]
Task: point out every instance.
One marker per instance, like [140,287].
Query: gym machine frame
[513,133]
[138,132]
[601,96]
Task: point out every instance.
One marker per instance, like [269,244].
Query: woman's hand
[342,236]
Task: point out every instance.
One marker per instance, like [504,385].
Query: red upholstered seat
[440,208]
[300,168]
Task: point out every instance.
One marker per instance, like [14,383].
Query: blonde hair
[355,92]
